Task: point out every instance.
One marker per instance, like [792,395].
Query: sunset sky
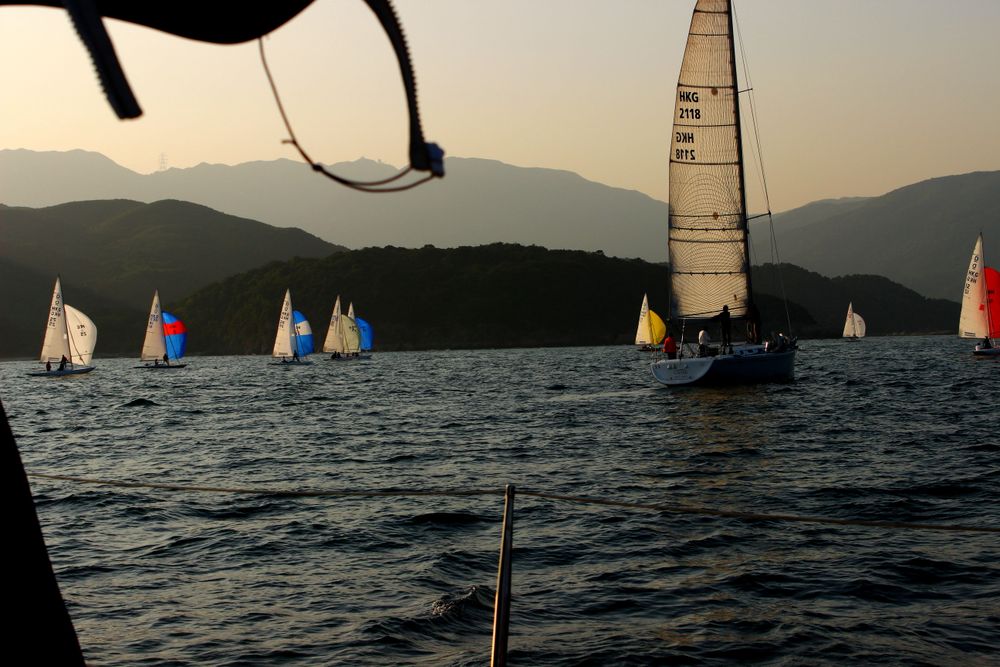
[854,97]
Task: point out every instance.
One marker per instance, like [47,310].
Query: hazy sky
[854,97]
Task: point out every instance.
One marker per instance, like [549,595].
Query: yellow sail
[657,327]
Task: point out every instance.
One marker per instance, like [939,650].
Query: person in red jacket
[670,346]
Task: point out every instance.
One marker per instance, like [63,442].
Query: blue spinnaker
[365,332]
[303,334]
[175,336]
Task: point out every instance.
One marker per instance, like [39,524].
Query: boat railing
[502,601]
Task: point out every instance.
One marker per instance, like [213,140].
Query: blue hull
[750,369]
[746,365]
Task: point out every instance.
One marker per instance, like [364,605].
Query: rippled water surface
[889,429]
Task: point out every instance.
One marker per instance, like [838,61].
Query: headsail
[283,338]
[82,336]
[56,343]
[351,334]
[175,336]
[981,298]
[709,260]
[154,345]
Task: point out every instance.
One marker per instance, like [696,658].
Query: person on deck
[726,324]
[986,344]
[753,324]
[703,341]
[295,354]
[166,359]
[48,366]
[63,362]
[670,346]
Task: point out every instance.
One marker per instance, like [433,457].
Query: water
[893,429]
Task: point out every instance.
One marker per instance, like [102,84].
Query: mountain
[479,202]
[920,236]
[503,295]
[113,254]
[888,307]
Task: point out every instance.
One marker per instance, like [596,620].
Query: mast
[739,150]
[986,286]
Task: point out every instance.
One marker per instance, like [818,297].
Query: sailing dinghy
[70,337]
[651,330]
[708,245]
[343,338]
[292,326]
[980,316]
[854,325]
[165,340]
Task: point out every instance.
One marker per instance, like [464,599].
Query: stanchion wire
[669,508]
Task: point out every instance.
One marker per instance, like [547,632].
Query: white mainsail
[973,322]
[154,345]
[56,343]
[709,261]
[81,334]
[854,325]
[334,336]
[283,339]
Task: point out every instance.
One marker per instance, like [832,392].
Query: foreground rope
[669,508]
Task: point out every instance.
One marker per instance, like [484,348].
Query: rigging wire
[363,186]
[609,502]
[755,146]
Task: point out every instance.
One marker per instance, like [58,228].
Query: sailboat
[980,316]
[343,339]
[70,337]
[164,341]
[651,329]
[708,245]
[291,345]
[854,325]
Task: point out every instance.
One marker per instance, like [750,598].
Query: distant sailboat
[708,244]
[287,347]
[164,341]
[651,330]
[854,326]
[343,338]
[70,338]
[980,316]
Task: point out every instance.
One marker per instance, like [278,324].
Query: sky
[852,97]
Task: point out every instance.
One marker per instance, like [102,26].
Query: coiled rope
[394,493]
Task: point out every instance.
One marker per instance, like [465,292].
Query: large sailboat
[70,338]
[980,316]
[165,342]
[708,245]
[290,343]
[651,330]
[854,325]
